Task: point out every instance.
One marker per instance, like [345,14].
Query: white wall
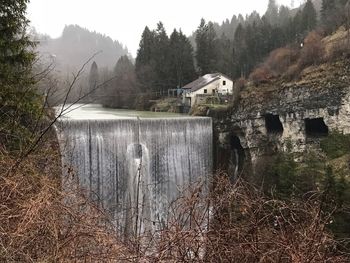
[225,89]
[217,86]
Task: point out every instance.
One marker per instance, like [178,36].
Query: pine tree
[225,56]
[123,66]
[121,93]
[272,12]
[181,70]
[240,53]
[328,14]
[161,58]
[93,81]
[283,16]
[206,54]
[145,63]
[19,103]
[297,27]
[308,17]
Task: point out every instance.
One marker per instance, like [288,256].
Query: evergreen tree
[225,56]
[19,103]
[93,81]
[145,63]
[144,53]
[328,14]
[123,66]
[308,17]
[240,52]
[272,12]
[206,54]
[161,58]
[297,27]
[283,16]
[181,70]
[121,92]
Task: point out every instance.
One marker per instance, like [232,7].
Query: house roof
[203,81]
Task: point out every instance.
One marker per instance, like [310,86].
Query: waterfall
[135,167]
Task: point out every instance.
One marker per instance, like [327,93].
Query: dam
[134,164]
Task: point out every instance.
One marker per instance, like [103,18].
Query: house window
[224,82]
[205,91]
[213,91]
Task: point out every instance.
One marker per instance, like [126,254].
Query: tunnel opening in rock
[316,127]
[273,124]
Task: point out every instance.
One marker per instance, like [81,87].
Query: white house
[207,85]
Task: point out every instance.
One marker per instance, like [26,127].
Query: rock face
[283,116]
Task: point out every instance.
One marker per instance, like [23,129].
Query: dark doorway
[316,127]
[273,124]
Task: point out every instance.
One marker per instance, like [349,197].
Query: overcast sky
[125,20]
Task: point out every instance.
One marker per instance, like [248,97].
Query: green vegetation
[20,106]
[336,145]
[326,172]
[164,62]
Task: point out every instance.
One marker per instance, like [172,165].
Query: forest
[237,48]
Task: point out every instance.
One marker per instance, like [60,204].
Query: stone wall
[305,113]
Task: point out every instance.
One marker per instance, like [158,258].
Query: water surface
[97,112]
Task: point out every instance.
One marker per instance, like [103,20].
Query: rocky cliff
[280,115]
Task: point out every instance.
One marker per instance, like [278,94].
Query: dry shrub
[280,59]
[261,74]
[40,223]
[339,49]
[277,63]
[245,226]
[337,44]
[313,50]
[292,72]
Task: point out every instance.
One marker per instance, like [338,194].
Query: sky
[125,20]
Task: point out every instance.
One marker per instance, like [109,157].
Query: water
[135,163]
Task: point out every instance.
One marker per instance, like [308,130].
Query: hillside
[331,69]
[78,44]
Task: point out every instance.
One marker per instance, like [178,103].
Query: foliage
[336,144]
[20,106]
[286,179]
[246,226]
[76,45]
[290,61]
[164,63]
[312,51]
[93,80]
[308,17]
[333,14]
[41,223]
[144,65]
[122,90]
[272,12]
[181,69]
[238,47]
[282,176]
[260,75]
[207,49]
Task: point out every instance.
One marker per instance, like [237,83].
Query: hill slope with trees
[77,45]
